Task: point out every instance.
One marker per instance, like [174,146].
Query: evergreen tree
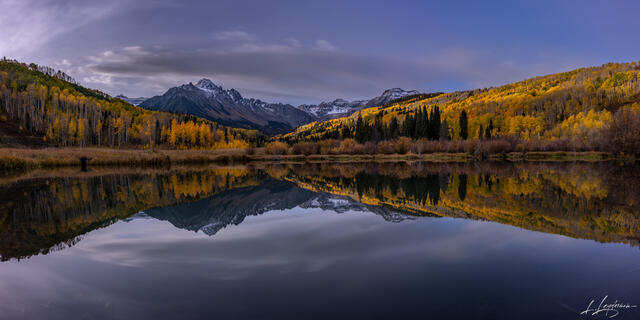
[444,131]
[480,132]
[435,123]
[378,128]
[345,132]
[158,132]
[427,125]
[420,124]
[489,129]
[408,126]
[359,129]
[394,131]
[464,125]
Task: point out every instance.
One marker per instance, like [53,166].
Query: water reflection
[50,212]
[596,201]
[38,214]
[319,241]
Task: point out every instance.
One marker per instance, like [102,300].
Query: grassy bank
[16,159]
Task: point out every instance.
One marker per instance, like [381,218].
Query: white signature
[610,310]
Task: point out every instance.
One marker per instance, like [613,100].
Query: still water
[305,241]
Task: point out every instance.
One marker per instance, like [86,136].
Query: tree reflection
[597,201]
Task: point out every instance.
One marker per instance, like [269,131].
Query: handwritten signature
[610,310]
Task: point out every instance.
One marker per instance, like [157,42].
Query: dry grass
[22,159]
[14,158]
[561,156]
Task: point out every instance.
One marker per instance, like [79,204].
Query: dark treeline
[421,124]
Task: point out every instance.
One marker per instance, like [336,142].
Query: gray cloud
[277,70]
[144,47]
[26,25]
[288,71]
[236,35]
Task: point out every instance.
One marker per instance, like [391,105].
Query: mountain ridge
[341,107]
[228,107]
[133,101]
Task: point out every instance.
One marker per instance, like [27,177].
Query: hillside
[574,105]
[47,105]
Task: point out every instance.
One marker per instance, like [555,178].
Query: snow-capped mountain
[340,107]
[389,95]
[133,101]
[228,107]
[336,108]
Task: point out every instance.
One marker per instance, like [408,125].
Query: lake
[322,241]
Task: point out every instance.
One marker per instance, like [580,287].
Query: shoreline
[25,159]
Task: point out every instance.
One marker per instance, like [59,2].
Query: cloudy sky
[311,51]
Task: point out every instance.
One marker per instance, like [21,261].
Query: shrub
[497,146]
[306,148]
[370,148]
[623,133]
[432,146]
[277,148]
[350,146]
[454,146]
[386,147]
[417,147]
[402,145]
[470,146]
[329,146]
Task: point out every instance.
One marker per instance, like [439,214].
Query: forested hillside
[48,104]
[596,107]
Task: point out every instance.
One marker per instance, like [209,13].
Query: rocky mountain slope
[340,107]
[206,99]
[228,107]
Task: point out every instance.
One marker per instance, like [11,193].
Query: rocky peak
[396,93]
[206,84]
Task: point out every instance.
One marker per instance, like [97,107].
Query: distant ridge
[227,106]
[340,107]
[133,101]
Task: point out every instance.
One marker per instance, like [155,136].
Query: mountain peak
[206,99]
[207,84]
[396,90]
[395,93]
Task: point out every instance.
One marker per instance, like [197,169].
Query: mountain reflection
[597,201]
